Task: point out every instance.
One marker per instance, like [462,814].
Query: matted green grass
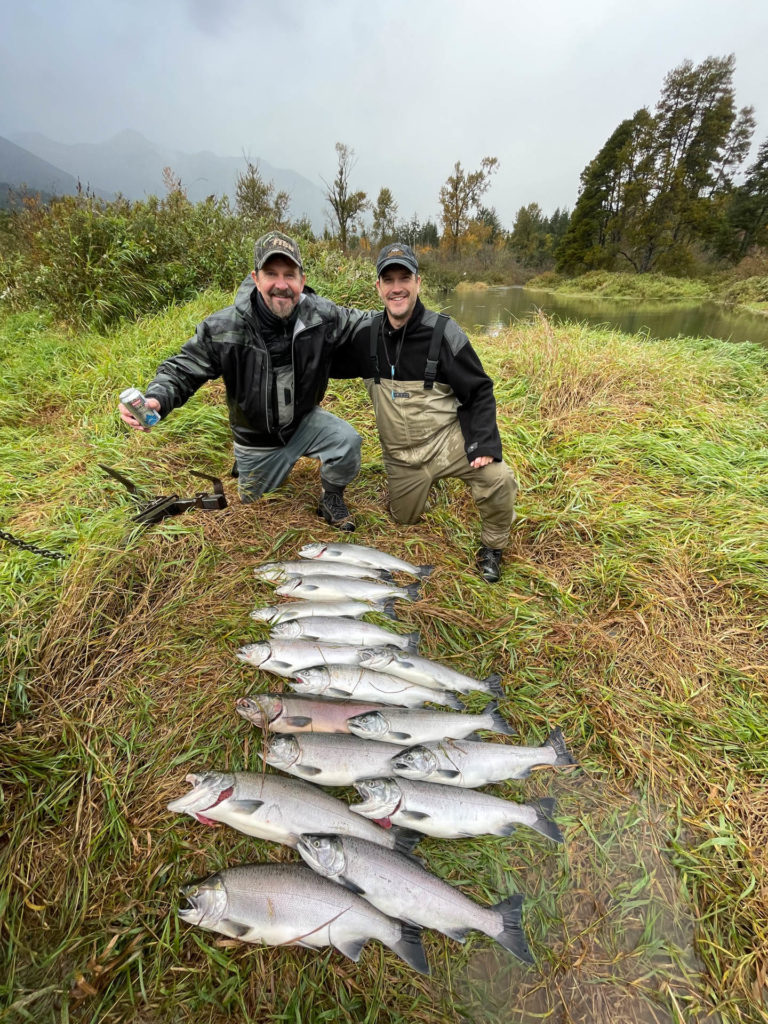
[632,612]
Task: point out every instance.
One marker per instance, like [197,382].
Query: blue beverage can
[133,399]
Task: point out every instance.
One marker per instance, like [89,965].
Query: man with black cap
[273,349]
[434,406]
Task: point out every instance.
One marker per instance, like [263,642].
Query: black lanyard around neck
[398,351]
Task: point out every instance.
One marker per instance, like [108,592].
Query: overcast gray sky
[411,85]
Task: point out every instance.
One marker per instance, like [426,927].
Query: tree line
[661,194]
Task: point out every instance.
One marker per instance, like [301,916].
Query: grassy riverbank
[632,612]
[749,293]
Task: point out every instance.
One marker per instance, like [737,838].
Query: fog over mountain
[21,168]
[133,165]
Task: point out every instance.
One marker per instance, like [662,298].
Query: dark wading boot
[489,564]
[334,511]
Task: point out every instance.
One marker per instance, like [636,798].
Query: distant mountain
[132,165]
[20,168]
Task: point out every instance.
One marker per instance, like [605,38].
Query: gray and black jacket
[266,405]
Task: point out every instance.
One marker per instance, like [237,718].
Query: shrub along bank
[748,292]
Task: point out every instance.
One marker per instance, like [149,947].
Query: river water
[487,308]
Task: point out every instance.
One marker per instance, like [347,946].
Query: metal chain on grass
[26,546]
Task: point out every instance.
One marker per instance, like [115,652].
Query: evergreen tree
[657,187]
[748,212]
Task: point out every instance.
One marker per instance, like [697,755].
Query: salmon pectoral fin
[249,806]
[352,886]
[308,771]
[415,816]
[298,720]
[448,773]
[234,929]
[400,735]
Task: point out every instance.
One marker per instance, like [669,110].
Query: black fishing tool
[158,508]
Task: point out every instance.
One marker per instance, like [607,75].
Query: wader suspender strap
[430,372]
[374,344]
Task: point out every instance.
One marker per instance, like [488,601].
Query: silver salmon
[287,657]
[349,681]
[428,673]
[469,763]
[291,610]
[287,904]
[333,630]
[277,712]
[362,555]
[328,760]
[411,726]
[341,588]
[279,572]
[399,886]
[448,813]
[271,807]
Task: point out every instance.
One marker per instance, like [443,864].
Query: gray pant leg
[260,470]
[334,442]
[321,435]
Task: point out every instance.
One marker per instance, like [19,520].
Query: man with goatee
[273,348]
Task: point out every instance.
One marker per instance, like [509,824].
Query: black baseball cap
[275,243]
[397,254]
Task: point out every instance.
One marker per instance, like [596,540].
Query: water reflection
[499,306]
[610,926]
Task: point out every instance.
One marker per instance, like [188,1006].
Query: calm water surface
[500,306]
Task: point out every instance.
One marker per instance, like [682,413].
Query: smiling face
[398,289]
[280,283]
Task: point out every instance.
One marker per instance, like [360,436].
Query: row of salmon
[378,737]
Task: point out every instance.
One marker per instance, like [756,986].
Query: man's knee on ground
[404,517]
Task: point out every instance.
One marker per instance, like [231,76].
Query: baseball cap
[397,253]
[275,243]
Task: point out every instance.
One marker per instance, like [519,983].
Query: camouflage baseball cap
[275,243]
[398,253]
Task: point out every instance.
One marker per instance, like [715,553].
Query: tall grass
[632,612]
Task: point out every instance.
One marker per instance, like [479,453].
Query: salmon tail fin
[500,724]
[422,571]
[413,641]
[512,937]
[388,609]
[406,840]
[409,947]
[556,740]
[545,823]
[493,683]
[413,590]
